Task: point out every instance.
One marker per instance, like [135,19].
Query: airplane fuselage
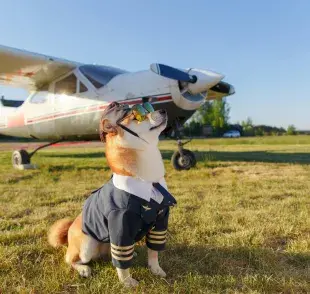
[70,107]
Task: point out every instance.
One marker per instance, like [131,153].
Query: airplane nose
[206,79]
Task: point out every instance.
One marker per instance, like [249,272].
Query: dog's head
[128,139]
[118,123]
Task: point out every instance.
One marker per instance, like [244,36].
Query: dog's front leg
[125,277]
[154,264]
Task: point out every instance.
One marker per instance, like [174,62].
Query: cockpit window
[67,85]
[100,75]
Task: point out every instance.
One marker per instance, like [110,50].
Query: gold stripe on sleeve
[122,258]
[156,241]
[122,252]
[122,247]
[156,236]
[158,232]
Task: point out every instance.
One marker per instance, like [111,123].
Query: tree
[291,130]
[220,114]
[259,131]
[248,128]
[202,115]
[215,114]
[192,128]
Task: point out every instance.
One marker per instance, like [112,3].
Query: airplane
[67,98]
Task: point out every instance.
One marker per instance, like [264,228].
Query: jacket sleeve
[123,228]
[156,237]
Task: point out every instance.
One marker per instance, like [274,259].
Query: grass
[242,224]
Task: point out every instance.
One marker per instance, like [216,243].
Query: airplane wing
[23,69]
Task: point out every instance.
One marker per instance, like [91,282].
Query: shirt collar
[138,187]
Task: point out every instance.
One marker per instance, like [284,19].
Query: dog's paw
[84,271]
[130,282]
[157,271]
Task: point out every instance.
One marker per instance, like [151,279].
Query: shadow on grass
[233,260]
[247,156]
[266,266]
[17,179]
[61,168]
[217,269]
[230,268]
[77,155]
[105,168]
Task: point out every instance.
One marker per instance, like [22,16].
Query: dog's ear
[106,127]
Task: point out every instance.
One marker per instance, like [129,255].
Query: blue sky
[262,47]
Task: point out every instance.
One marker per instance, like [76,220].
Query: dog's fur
[126,155]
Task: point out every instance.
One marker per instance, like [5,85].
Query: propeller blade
[172,73]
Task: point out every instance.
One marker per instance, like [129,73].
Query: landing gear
[21,159]
[182,159]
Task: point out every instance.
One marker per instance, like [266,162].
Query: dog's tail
[58,233]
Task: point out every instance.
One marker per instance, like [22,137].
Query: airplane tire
[185,162]
[20,157]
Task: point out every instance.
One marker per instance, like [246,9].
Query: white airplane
[67,98]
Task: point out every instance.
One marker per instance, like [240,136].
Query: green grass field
[242,224]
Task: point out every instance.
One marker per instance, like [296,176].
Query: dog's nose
[162,111]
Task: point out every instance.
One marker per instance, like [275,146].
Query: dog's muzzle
[159,116]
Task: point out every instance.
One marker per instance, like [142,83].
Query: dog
[134,203]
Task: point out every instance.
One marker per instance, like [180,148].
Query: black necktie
[169,200]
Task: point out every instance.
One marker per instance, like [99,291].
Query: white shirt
[138,187]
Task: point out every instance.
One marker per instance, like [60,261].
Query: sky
[262,47]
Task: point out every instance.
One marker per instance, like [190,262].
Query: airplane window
[39,97]
[100,75]
[82,88]
[66,85]
[94,81]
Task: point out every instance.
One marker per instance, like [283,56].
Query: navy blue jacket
[111,215]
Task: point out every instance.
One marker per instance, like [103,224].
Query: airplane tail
[58,233]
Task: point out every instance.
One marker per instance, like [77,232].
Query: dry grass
[242,224]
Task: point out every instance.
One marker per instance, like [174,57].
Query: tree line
[212,119]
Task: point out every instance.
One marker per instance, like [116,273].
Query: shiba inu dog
[135,202]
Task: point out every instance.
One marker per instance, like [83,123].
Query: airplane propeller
[172,73]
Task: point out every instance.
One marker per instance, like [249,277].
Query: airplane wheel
[185,162]
[20,157]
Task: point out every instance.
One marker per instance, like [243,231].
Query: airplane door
[39,115]
[64,100]
[71,117]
